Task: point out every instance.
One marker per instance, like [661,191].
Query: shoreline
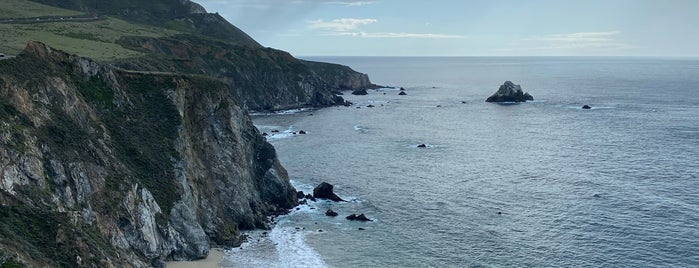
[212,261]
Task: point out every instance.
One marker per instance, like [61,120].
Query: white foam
[283,112]
[282,247]
[360,128]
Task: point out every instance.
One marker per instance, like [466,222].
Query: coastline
[212,261]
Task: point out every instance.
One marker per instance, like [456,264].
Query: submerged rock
[509,92]
[310,197]
[331,213]
[360,217]
[586,107]
[325,191]
[402,93]
[422,146]
[361,91]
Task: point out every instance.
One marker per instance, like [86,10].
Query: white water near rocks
[538,184]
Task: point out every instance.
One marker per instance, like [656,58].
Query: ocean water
[537,184]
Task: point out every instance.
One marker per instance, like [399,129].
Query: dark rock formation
[422,146]
[310,197]
[302,132]
[360,217]
[330,213]
[402,89]
[370,106]
[402,93]
[509,92]
[325,191]
[300,195]
[586,107]
[361,91]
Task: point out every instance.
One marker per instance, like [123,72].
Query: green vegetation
[28,9]
[39,233]
[95,39]
[143,135]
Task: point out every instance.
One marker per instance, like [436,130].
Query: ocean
[536,184]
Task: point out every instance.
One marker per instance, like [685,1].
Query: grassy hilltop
[92,39]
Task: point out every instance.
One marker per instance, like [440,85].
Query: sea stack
[509,92]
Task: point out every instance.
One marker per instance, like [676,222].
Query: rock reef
[509,92]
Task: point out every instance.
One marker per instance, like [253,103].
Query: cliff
[263,78]
[104,167]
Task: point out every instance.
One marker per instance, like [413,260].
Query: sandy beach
[212,261]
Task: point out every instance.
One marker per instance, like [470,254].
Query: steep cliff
[264,78]
[106,167]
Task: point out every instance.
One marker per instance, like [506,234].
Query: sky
[468,28]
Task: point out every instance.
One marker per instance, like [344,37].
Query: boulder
[509,92]
[325,191]
[330,213]
[422,146]
[370,106]
[300,195]
[361,91]
[586,107]
[402,89]
[355,217]
[310,197]
[402,93]
[302,132]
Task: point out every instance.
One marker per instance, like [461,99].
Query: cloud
[587,43]
[352,3]
[583,37]
[275,4]
[399,35]
[350,27]
[339,25]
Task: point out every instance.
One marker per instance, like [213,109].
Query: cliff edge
[106,167]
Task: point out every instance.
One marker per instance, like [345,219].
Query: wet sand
[212,261]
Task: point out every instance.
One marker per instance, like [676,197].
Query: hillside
[125,138]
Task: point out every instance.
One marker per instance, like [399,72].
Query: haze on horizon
[468,28]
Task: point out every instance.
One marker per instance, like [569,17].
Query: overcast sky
[468,28]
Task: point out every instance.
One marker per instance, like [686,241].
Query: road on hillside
[46,19]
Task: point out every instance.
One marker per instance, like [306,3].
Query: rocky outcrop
[509,92]
[117,168]
[325,191]
[360,217]
[331,213]
[341,77]
[586,107]
[359,92]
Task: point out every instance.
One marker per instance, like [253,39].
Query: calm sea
[538,184]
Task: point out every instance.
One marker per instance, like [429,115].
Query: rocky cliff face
[264,78]
[111,168]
